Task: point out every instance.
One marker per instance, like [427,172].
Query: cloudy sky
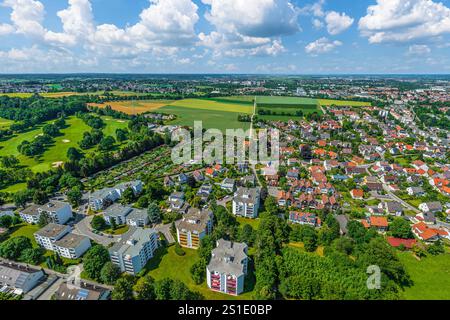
[225,36]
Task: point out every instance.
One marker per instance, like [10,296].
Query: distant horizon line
[223,74]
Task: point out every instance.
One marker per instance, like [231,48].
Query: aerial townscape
[93,207]
[224,157]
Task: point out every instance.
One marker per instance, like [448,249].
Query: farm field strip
[134,107]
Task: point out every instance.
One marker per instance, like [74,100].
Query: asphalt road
[83,227]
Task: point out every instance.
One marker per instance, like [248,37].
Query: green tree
[107,143]
[40,197]
[73,154]
[12,248]
[110,273]
[44,219]
[400,228]
[123,289]
[145,288]
[32,255]
[154,213]
[127,196]
[94,260]
[20,198]
[6,222]
[74,196]
[98,223]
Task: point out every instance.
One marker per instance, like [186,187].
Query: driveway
[223,202]
[83,227]
[404,203]
[165,230]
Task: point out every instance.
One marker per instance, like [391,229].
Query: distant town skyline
[225,36]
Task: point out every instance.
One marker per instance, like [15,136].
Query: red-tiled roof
[396,242]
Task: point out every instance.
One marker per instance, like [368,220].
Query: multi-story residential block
[134,250]
[18,279]
[117,213]
[48,235]
[102,198]
[246,202]
[57,212]
[228,267]
[72,246]
[194,226]
[138,218]
[58,238]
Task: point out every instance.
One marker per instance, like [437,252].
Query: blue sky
[225,36]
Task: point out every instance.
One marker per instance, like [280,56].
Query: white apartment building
[134,250]
[246,202]
[57,211]
[228,266]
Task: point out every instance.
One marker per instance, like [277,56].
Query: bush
[179,251]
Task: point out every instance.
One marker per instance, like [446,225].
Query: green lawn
[431,276]
[70,136]
[118,231]
[253,222]
[5,123]
[287,105]
[25,230]
[167,264]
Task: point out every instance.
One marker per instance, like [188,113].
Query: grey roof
[83,292]
[53,205]
[126,185]
[70,240]
[246,195]
[416,190]
[227,257]
[228,181]
[117,210]
[393,206]
[102,193]
[31,210]
[15,275]
[137,214]
[51,230]
[132,242]
[434,206]
[195,220]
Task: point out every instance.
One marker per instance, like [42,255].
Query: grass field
[213,114]
[285,107]
[70,136]
[5,123]
[330,102]
[134,107]
[253,222]
[67,94]
[167,264]
[25,230]
[431,276]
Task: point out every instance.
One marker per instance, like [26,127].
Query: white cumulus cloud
[337,22]
[404,20]
[322,45]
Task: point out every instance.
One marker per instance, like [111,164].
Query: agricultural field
[285,108]
[134,107]
[330,102]
[70,136]
[67,94]
[214,114]
[431,276]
